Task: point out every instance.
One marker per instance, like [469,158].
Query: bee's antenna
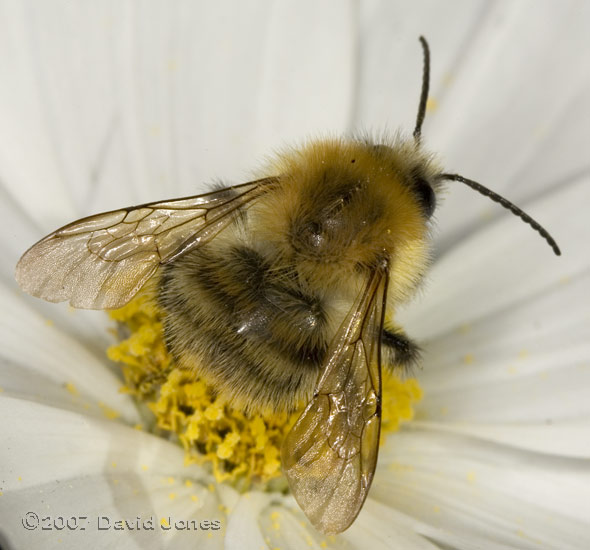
[506,204]
[424,93]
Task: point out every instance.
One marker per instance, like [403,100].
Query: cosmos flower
[108,104]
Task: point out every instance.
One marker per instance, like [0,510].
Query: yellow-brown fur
[400,232]
[254,310]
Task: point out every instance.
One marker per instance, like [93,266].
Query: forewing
[330,454]
[100,262]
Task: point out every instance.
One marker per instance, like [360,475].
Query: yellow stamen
[238,448]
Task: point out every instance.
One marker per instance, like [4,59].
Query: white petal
[541,333]
[91,329]
[26,125]
[379,526]
[435,534]
[18,233]
[503,264]
[308,73]
[485,491]
[161,513]
[567,438]
[243,531]
[390,58]
[284,526]
[65,457]
[508,95]
[554,396]
[528,363]
[41,362]
[72,444]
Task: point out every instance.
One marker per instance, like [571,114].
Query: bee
[277,291]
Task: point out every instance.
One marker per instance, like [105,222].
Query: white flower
[108,103]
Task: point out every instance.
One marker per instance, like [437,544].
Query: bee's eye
[426,196]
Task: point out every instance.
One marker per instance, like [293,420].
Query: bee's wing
[330,454]
[100,262]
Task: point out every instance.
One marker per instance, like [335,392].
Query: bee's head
[414,169]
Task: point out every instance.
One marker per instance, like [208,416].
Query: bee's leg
[397,350]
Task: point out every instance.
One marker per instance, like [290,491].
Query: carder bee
[277,291]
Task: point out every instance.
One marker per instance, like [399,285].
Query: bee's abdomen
[245,326]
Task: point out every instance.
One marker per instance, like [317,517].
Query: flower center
[241,449]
